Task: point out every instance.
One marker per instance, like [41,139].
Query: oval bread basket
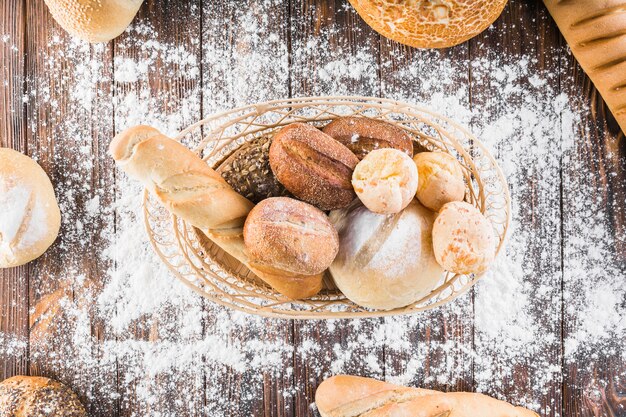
[209,271]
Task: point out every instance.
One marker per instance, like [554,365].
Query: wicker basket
[217,276]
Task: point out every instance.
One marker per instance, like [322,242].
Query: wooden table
[28,125]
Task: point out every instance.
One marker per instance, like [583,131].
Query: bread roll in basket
[195,260]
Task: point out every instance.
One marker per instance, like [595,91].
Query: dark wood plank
[245,61]
[68,133]
[13,281]
[524,33]
[594,254]
[156,66]
[333,52]
[442,338]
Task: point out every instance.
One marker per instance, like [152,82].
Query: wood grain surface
[28,294]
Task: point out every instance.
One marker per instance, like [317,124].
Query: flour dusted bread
[385,261]
[429,23]
[352,396]
[28,396]
[192,190]
[29,214]
[94,20]
[596,33]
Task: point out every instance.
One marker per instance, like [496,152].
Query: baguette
[596,32]
[190,189]
[352,396]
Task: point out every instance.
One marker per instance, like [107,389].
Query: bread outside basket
[209,271]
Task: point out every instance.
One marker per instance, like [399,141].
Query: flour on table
[152,327]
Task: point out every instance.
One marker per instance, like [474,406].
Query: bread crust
[290,236]
[94,20]
[429,24]
[31,218]
[313,166]
[38,396]
[362,135]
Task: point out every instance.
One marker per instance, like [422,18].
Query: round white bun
[94,20]
[31,218]
[385,261]
[463,239]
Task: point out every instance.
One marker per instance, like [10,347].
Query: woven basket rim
[206,272]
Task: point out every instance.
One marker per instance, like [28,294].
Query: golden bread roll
[23,396]
[428,23]
[189,188]
[362,135]
[283,235]
[351,396]
[385,180]
[29,214]
[313,166]
[440,179]
[94,20]
[463,239]
[385,261]
[596,33]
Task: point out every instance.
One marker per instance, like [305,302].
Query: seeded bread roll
[25,396]
[463,239]
[29,214]
[284,235]
[313,166]
[428,23]
[385,261]
[362,135]
[248,171]
[94,20]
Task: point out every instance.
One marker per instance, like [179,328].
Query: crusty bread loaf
[596,32]
[352,396]
[288,236]
[29,214]
[94,20]
[313,166]
[385,261]
[23,396]
[427,23]
[362,135]
[189,188]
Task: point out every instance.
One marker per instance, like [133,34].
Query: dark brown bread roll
[283,235]
[313,166]
[362,135]
[27,396]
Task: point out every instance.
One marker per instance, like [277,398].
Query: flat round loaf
[385,180]
[94,20]
[463,239]
[440,179]
[37,396]
[385,261]
[313,166]
[362,135]
[427,23]
[31,218]
[283,235]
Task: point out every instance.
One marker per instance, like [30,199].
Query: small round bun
[283,235]
[385,181]
[94,20]
[31,218]
[429,24]
[37,396]
[463,239]
[440,179]
[385,261]
[362,135]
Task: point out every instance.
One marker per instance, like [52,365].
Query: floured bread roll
[30,217]
[385,261]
